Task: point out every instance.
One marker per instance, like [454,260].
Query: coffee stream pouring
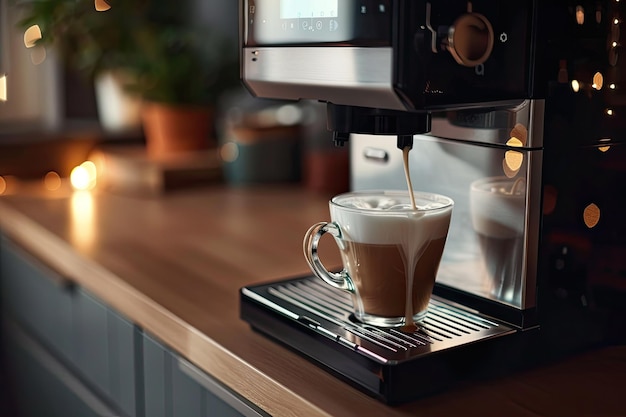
[511,109]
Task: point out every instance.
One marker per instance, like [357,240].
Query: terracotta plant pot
[171,130]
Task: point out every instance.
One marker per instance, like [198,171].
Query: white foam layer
[389,219]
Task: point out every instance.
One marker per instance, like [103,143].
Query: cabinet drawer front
[42,385]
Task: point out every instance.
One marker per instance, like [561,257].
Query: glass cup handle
[340,280]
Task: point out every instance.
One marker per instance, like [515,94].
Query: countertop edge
[193,345]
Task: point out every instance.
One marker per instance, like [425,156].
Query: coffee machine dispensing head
[344,120]
[384,66]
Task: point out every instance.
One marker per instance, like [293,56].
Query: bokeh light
[83,177]
[52,181]
[31,36]
[591,215]
[598,81]
[101,5]
[3,87]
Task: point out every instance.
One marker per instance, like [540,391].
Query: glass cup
[389,250]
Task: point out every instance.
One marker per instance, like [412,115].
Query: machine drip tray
[452,343]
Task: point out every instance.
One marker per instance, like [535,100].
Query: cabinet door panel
[187,395]
[168,391]
[157,379]
[123,358]
[92,340]
[37,297]
[218,400]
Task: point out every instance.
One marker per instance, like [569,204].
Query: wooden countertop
[175,264]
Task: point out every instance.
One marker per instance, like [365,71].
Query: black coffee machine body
[516,110]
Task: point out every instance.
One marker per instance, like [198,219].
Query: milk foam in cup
[390,252]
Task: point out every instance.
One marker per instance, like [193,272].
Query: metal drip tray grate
[328,312]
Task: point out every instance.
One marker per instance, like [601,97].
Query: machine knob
[470,39]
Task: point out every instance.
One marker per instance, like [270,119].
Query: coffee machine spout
[405,141]
[344,120]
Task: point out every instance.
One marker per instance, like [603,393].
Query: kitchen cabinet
[38,298]
[105,350]
[48,320]
[41,385]
[70,354]
[176,388]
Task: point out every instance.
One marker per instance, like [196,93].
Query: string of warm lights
[598,80]
[592,212]
[82,178]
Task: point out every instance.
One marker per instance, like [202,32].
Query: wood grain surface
[174,265]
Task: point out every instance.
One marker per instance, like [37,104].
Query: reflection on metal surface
[519,136]
[515,142]
[591,215]
[497,213]
[82,219]
[598,81]
[462,266]
[580,15]
[364,74]
[3,185]
[514,160]
[493,126]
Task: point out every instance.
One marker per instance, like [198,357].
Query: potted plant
[176,69]
[181,74]
[87,43]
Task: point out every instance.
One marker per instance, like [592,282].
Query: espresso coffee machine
[516,110]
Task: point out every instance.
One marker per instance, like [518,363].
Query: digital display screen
[295,9]
[305,22]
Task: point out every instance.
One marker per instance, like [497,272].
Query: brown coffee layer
[378,272]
